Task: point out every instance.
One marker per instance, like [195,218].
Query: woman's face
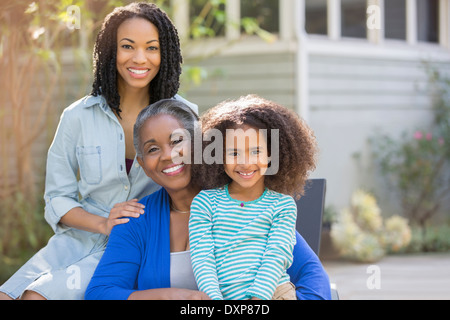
[138,53]
[162,144]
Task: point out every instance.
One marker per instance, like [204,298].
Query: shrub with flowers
[397,233]
[417,165]
[360,235]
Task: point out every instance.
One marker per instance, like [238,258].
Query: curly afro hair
[297,143]
[166,83]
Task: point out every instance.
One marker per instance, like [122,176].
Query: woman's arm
[307,273]
[61,186]
[81,219]
[117,271]
[116,274]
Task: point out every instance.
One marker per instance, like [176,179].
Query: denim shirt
[86,163]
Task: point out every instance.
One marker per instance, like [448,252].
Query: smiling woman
[138,59]
[93,179]
[153,39]
[156,159]
[162,233]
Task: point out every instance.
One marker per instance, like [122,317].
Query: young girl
[242,229]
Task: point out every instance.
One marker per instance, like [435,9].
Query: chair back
[310,209]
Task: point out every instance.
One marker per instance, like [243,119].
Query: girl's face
[158,137]
[246,158]
[138,53]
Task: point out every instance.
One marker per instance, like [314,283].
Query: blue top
[137,257]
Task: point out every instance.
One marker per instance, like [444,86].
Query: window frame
[334,17]
[288,20]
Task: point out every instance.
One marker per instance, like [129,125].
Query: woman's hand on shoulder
[120,212]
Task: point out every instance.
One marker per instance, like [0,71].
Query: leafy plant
[397,234]
[436,239]
[417,164]
[360,235]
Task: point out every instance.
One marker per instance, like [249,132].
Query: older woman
[149,257]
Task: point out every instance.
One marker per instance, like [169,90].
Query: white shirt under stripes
[241,249]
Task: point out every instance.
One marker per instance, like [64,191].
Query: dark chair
[310,209]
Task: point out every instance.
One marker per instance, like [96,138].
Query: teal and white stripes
[241,252]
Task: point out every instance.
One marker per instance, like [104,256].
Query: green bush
[23,231]
[416,166]
[431,239]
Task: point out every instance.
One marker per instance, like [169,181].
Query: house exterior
[350,68]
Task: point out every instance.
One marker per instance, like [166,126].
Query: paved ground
[396,277]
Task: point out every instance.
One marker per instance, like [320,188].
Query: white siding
[229,77]
[351,99]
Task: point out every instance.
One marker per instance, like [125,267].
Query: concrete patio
[395,277]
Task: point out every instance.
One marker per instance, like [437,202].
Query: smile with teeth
[246,174]
[135,71]
[173,169]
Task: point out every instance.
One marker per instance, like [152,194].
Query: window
[353,18]
[427,20]
[395,19]
[316,16]
[266,13]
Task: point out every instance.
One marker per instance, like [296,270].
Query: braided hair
[166,83]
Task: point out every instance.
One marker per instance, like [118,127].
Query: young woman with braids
[93,179]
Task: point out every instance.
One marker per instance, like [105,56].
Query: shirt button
[136,165]
[126,187]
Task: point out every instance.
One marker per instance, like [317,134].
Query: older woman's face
[158,137]
[138,53]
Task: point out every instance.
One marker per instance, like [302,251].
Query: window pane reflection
[316,16]
[353,18]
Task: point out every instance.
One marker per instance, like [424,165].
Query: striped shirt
[239,252]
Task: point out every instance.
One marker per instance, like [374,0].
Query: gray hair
[175,108]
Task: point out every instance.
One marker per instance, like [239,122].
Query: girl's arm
[278,254]
[202,247]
